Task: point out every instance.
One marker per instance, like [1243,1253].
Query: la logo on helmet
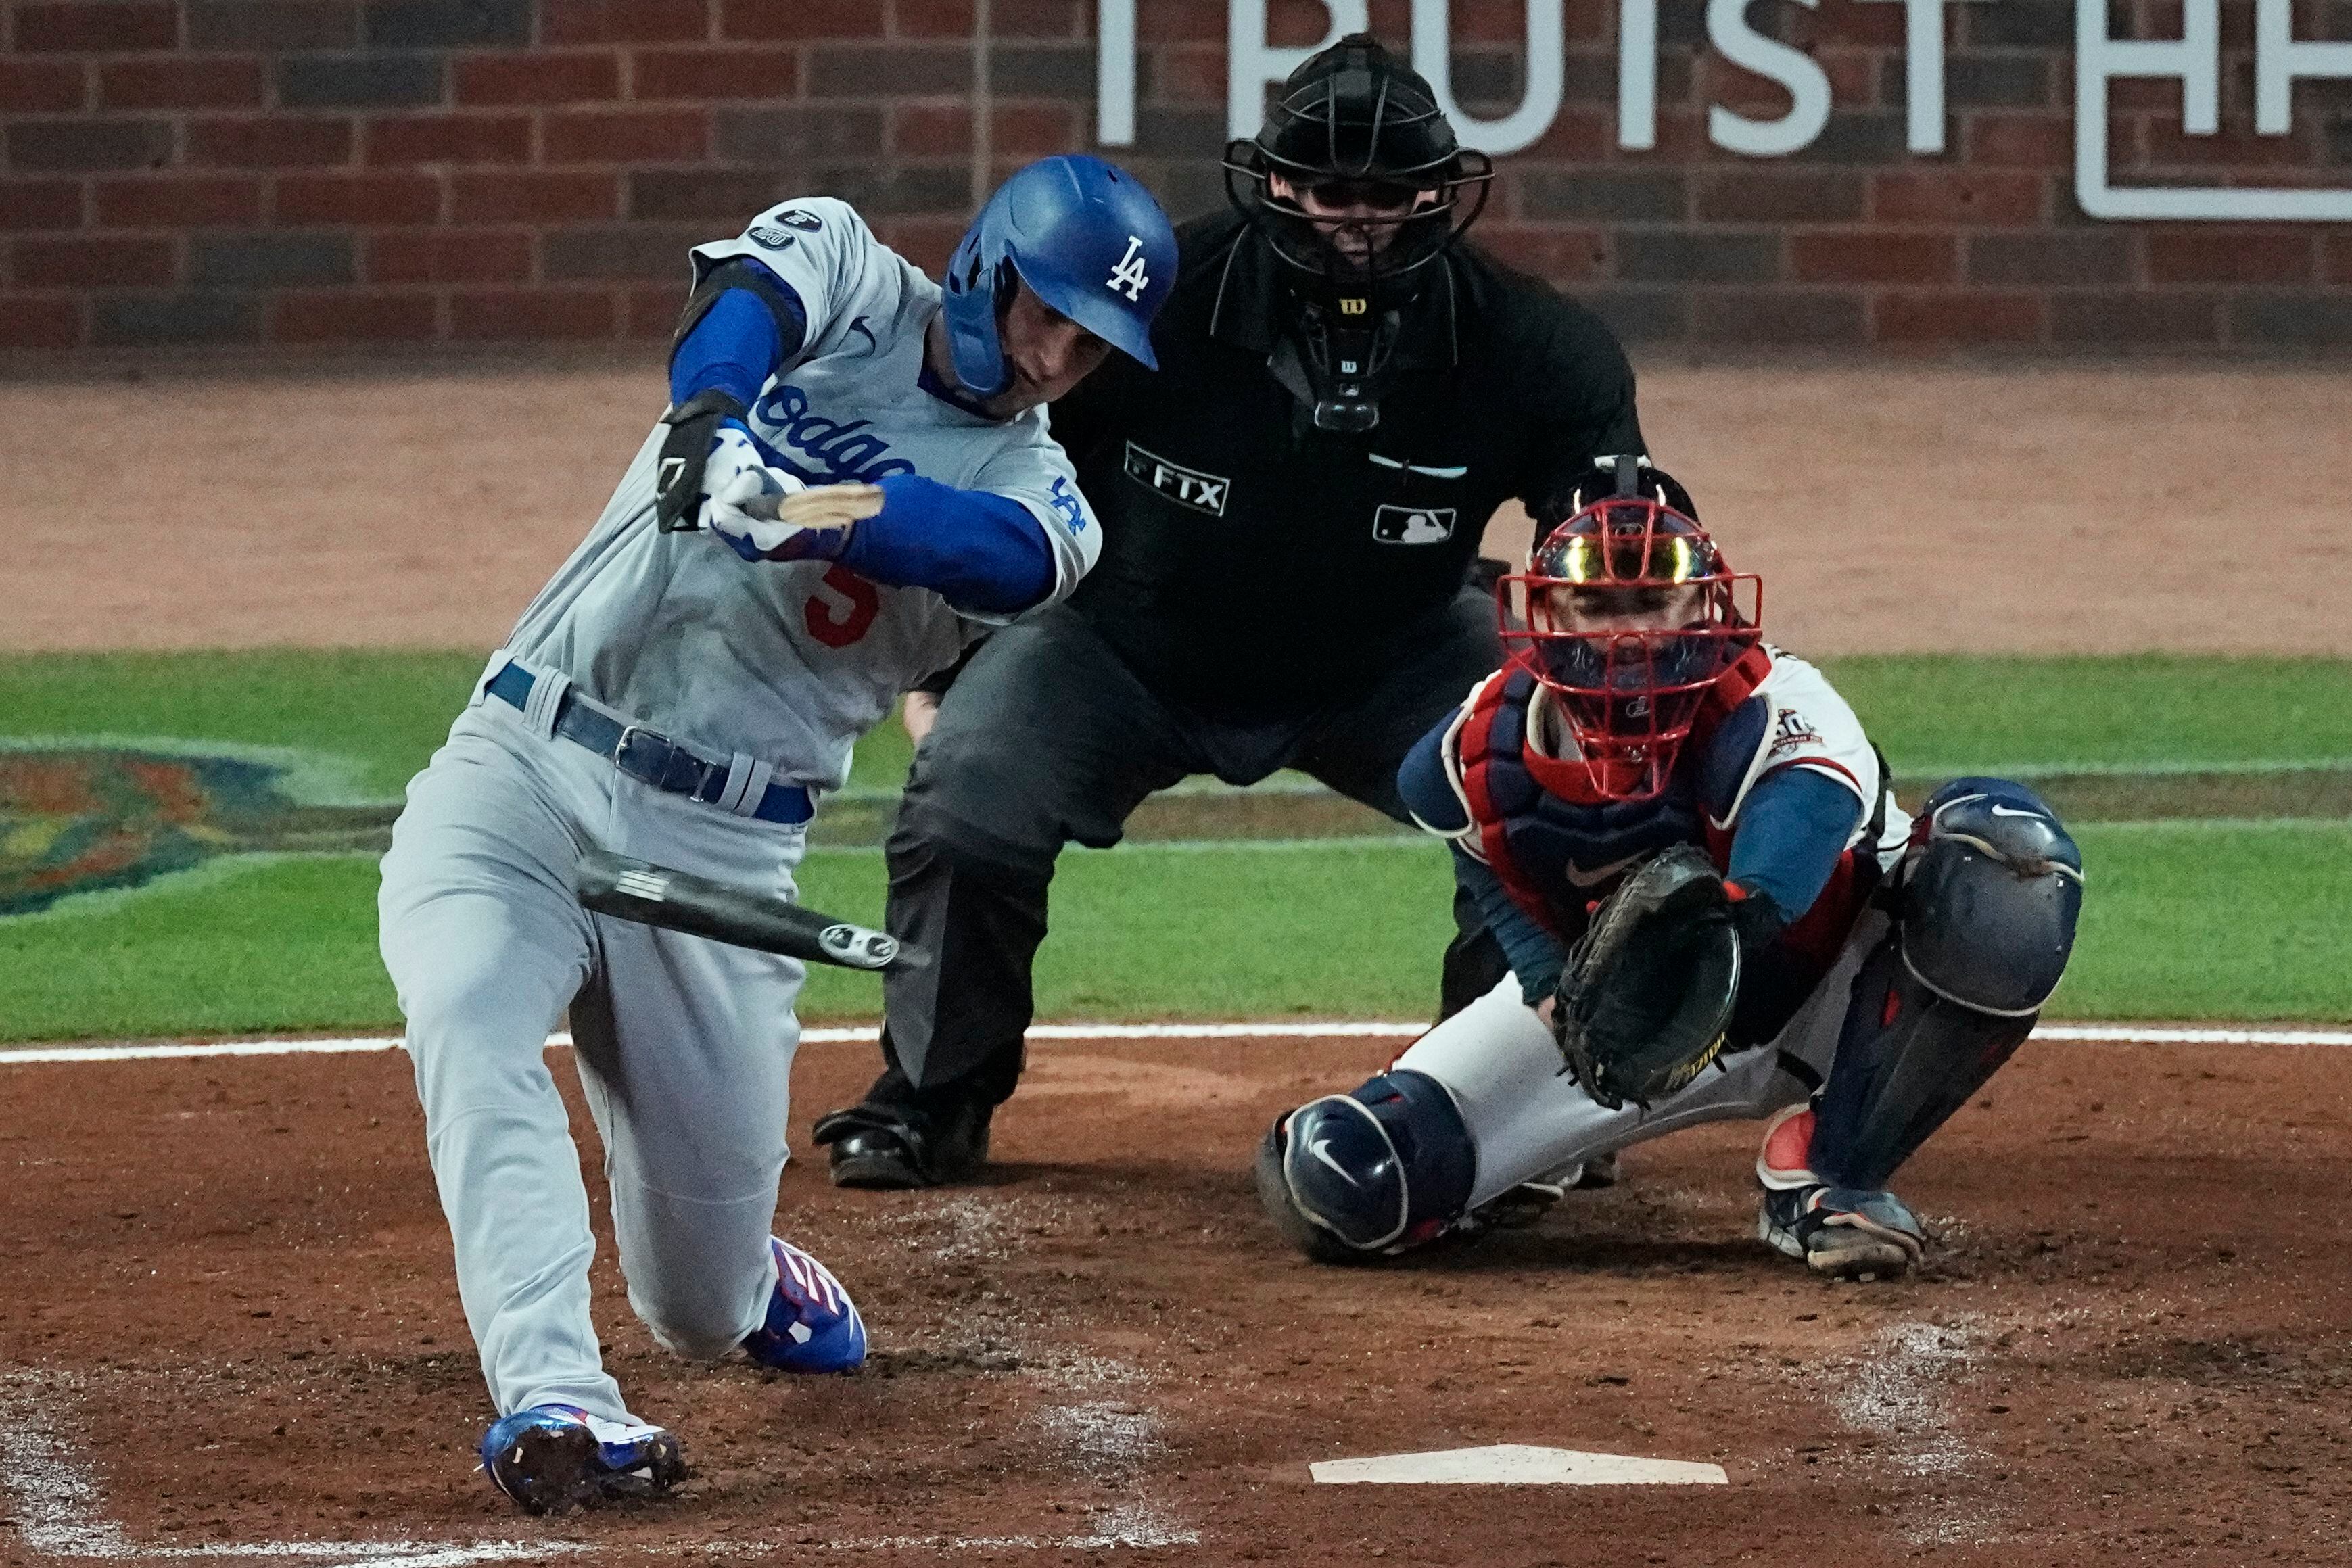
[1129,273]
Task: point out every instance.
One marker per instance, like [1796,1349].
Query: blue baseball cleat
[555,1457]
[812,1325]
[1843,1232]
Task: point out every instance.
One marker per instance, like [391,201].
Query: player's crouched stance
[855,465]
[1853,973]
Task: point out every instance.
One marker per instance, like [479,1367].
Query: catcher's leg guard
[1989,894]
[1367,1174]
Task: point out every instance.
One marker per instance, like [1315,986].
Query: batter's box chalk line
[59,1514]
[1514,1465]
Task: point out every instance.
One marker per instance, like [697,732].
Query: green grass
[385,712]
[1942,716]
[2208,920]
[251,945]
[2183,921]
[382,713]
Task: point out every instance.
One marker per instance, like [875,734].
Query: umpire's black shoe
[890,1148]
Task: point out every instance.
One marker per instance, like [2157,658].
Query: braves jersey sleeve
[825,255]
[1795,719]
[1034,472]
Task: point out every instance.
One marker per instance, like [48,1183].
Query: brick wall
[245,172]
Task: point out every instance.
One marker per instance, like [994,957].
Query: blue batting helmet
[1088,239]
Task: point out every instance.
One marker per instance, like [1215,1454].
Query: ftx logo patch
[1412,524]
[1185,486]
[774,239]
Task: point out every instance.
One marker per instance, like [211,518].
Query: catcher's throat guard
[1646,994]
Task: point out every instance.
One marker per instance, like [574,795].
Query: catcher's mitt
[1647,990]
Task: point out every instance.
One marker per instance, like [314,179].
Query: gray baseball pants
[684,1049]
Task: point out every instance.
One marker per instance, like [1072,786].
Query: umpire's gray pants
[684,1049]
[1046,738]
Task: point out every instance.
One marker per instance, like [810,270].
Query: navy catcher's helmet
[1628,613]
[1088,239]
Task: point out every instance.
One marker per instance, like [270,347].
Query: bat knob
[859,947]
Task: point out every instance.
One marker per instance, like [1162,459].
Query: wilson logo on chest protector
[841,449]
[1185,486]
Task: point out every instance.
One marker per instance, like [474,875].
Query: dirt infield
[233,1327]
[1929,507]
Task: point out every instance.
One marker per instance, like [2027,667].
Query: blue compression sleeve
[1792,828]
[739,342]
[1421,781]
[977,549]
[1536,955]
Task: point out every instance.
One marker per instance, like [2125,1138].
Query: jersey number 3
[837,626]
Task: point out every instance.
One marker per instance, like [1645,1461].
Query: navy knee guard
[1988,898]
[1991,890]
[1352,1176]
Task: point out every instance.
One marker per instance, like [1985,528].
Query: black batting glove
[677,478]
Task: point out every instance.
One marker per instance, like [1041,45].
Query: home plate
[1516,1465]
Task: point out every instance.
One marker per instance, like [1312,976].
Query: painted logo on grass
[91,820]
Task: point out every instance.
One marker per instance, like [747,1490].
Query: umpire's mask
[1356,182]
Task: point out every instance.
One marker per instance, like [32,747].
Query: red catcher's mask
[1627,613]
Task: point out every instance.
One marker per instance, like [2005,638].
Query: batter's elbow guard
[1991,897]
[1353,1177]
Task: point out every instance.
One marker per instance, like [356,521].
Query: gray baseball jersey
[789,661]
[685,1045]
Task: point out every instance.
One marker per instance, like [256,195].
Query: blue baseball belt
[648,756]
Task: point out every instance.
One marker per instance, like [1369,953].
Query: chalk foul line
[1272,1028]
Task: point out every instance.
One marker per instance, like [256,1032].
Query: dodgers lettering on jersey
[789,661]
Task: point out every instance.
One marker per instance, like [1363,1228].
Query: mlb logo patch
[1412,524]
[807,222]
[774,239]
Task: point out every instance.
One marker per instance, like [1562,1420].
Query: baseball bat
[679,901]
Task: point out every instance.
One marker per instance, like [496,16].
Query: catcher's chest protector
[1554,845]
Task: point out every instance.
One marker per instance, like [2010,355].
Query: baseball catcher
[1711,906]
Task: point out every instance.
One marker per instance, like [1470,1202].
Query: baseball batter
[855,466]
[1859,972]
